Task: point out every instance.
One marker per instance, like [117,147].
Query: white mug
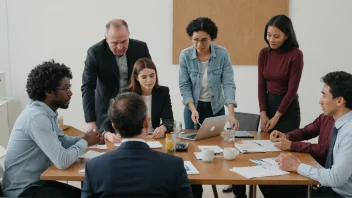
[230,153]
[207,155]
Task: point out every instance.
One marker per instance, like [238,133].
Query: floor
[207,193]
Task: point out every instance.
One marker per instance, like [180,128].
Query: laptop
[211,127]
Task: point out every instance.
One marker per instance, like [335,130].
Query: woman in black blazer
[144,82]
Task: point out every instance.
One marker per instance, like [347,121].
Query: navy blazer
[101,77]
[161,109]
[135,170]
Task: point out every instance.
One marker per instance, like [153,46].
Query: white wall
[4,47]
[64,30]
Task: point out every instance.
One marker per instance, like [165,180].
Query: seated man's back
[134,169]
[138,171]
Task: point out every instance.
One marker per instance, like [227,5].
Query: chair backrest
[248,121]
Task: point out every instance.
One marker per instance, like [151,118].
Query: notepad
[268,145]
[217,149]
[190,169]
[266,162]
[91,154]
[249,148]
[2,152]
[258,171]
[99,146]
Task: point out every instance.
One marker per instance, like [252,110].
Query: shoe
[227,189]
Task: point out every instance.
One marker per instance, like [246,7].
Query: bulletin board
[241,25]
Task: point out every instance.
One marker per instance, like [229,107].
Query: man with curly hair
[36,140]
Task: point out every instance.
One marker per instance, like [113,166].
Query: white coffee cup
[207,154]
[230,153]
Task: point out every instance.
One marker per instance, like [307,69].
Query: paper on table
[268,145]
[81,171]
[99,146]
[258,171]
[91,154]
[217,149]
[249,148]
[2,151]
[190,169]
[266,162]
[151,144]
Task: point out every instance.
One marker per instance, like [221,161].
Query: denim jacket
[220,77]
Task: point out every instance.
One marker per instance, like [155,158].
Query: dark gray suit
[101,77]
[135,170]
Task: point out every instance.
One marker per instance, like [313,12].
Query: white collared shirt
[133,140]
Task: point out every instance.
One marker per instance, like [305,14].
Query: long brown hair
[141,64]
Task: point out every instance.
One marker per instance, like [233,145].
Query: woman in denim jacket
[206,79]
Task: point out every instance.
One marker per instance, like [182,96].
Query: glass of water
[228,136]
[177,128]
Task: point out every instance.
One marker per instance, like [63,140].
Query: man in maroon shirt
[291,141]
[322,127]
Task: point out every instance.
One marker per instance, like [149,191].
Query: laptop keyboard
[192,136]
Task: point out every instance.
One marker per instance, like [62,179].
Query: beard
[60,104]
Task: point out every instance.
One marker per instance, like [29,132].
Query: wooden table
[216,172]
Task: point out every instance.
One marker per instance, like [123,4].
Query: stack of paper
[91,154]
[268,145]
[98,146]
[217,149]
[249,148]
[190,169]
[258,171]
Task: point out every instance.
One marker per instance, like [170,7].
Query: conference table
[214,173]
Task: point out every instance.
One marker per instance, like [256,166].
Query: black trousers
[52,189]
[290,120]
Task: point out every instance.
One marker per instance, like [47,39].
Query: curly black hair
[44,78]
[340,84]
[202,24]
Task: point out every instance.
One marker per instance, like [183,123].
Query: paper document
[268,145]
[151,144]
[99,146]
[91,154]
[243,134]
[154,144]
[249,148]
[217,149]
[81,171]
[258,171]
[2,151]
[190,169]
[266,162]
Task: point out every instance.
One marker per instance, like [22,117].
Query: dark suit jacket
[161,109]
[135,170]
[101,77]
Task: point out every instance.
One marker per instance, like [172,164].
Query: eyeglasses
[67,89]
[203,41]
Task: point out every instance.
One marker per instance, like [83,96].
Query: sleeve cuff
[231,101]
[187,100]
[303,169]
[82,144]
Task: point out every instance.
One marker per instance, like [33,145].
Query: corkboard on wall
[241,25]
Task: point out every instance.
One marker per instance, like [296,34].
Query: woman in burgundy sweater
[280,68]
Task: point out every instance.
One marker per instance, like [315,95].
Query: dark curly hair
[340,84]
[46,77]
[285,25]
[202,24]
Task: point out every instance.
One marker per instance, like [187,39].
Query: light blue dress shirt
[36,141]
[339,177]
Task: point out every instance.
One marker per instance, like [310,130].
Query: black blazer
[101,77]
[161,109]
[135,170]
